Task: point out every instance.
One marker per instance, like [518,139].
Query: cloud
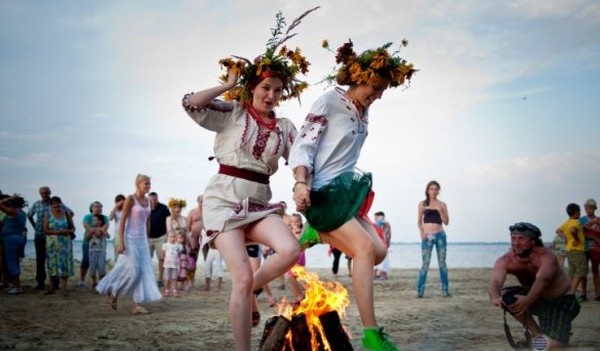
[548,169]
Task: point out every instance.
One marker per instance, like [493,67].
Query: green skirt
[337,202]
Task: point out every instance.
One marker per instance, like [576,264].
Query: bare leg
[575,281]
[296,288]
[161,270]
[272,232]
[364,246]
[232,246]
[269,294]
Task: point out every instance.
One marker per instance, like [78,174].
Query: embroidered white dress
[231,202]
[133,274]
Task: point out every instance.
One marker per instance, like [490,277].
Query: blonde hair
[140,178]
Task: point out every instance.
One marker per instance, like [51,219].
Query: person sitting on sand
[546,290]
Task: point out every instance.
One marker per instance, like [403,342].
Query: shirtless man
[549,294]
[195,228]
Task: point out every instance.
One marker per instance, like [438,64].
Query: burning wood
[313,324]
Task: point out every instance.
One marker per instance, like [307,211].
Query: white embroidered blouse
[239,142]
[330,140]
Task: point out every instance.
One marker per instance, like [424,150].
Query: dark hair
[119,197]
[15,201]
[100,218]
[153,194]
[573,209]
[93,203]
[55,199]
[379,213]
[433,182]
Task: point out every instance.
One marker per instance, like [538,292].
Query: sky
[503,112]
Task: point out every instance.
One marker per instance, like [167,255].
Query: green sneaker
[309,238]
[376,340]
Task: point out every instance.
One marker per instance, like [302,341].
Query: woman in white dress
[133,274]
[250,140]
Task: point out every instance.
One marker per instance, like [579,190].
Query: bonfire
[314,322]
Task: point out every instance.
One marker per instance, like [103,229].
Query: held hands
[301,196]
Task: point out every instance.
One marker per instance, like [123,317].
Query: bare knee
[289,252]
[366,249]
[242,281]
[380,254]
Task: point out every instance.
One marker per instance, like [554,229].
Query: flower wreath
[176,202]
[370,67]
[283,63]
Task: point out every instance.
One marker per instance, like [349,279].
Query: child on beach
[184,263]
[97,240]
[170,255]
[213,257]
[573,232]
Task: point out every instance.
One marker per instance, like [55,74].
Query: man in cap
[546,290]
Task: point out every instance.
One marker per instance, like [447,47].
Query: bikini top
[431,215]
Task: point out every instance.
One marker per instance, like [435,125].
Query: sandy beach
[199,320]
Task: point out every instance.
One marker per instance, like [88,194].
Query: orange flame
[320,297]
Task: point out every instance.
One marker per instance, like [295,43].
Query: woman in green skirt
[334,197]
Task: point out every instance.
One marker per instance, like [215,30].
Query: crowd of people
[236,224]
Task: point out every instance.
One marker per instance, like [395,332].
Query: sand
[199,320]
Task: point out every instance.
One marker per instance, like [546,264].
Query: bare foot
[112,300]
[140,310]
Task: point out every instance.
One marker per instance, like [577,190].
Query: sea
[402,255]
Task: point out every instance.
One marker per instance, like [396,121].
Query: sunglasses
[524,227]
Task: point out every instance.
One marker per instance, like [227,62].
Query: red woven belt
[244,174]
